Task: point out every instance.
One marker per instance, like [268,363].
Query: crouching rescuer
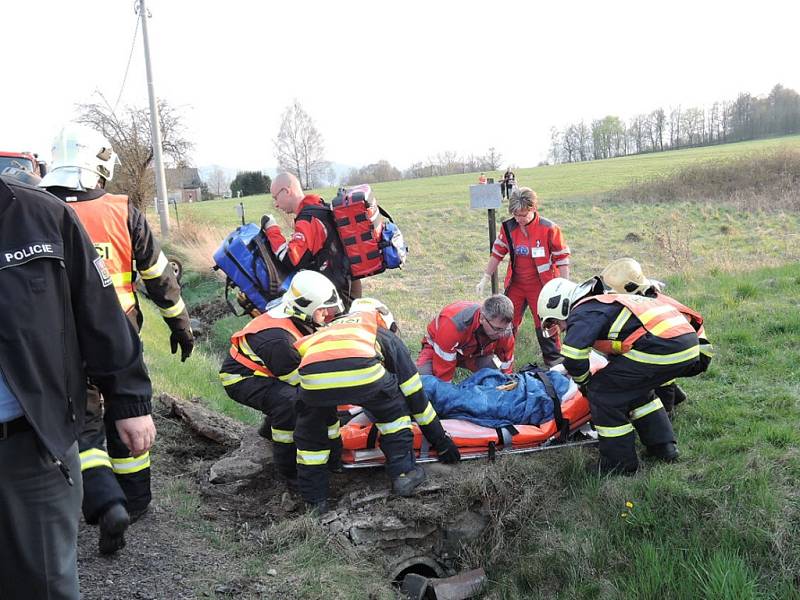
[261,368]
[648,342]
[358,359]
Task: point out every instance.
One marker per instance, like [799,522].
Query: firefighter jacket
[265,348]
[314,244]
[123,238]
[641,329]
[535,257]
[456,334]
[696,321]
[397,360]
[60,321]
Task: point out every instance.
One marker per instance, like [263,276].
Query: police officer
[260,370]
[117,486]
[60,322]
[648,342]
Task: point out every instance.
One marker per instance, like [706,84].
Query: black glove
[183,338]
[447,451]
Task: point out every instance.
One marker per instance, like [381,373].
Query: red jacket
[536,257]
[455,336]
[309,236]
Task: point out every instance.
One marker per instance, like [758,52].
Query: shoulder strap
[507,230]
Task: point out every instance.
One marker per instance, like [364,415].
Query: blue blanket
[478,400]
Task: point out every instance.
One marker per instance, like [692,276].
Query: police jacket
[60,321]
[143,253]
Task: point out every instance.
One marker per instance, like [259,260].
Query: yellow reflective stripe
[666,383]
[322,381]
[320,337]
[394,426]
[652,313]
[120,279]
[614,431]
[359,348]
[333,431]
[173,311]
[646,409]
[292,378]
[706,349]
[127,466]
[312,457]
[127,300]
[582,378]
[93,458]
[619,323]
[231,378]
[411,385]
[616,346]
[663,359]
[575,353]
[283,436]
[426,416]
[157,269]
[668,323]
[248,351]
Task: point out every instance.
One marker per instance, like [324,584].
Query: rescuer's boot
[405,484]
[113,524]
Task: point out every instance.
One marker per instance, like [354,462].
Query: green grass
[723,522]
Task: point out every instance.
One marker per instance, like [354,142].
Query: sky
[398,81]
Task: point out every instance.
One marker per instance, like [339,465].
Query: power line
[130,57]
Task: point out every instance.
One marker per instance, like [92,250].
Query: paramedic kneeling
[315,243]
[648,342]
[469,335]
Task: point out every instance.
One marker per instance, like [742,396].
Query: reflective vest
[351,337]
[106,221]
[242,353]
[657,317]
[695,318]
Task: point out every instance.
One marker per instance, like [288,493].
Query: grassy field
[723,523]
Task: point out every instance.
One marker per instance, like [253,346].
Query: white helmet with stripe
[80,157]
[557,298]
[385,317]
[308,292]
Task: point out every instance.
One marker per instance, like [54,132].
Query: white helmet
[625,276]
[557,297]
[308,292]
[81,156]
[385,316]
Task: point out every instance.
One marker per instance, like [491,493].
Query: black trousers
[315,409]
[622,402]
[39,515]
[109,472]
[275,399]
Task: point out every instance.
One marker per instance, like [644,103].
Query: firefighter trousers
[622,402]
[527,297]
[276,399]
[315,409]
[110,475]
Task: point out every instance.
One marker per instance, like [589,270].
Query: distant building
[184,185]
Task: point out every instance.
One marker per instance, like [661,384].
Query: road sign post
[487,196]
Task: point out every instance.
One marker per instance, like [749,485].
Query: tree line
[745,118]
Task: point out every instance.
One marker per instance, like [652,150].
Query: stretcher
[570,427]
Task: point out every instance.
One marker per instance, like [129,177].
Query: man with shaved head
[315,243]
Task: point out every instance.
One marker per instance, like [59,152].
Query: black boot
[405,484]
[113,524]
[667,452]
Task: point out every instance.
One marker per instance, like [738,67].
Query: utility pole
[155,130]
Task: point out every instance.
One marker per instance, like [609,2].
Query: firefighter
[537,254]
[469,335]
[260,370]
[116,485]
[648,342]
[397,360]
[315,243]
[625,276]
[344,361]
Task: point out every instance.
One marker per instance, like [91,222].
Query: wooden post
[492,237]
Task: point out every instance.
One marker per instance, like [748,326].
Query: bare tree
[300,148]
[492,159]
[129,134]
[218,182]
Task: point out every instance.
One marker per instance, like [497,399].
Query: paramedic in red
[469,335]
[314,244]
[537,253]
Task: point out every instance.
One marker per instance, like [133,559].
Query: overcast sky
[388,80]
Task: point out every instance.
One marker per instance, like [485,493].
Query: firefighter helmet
[625,276]
[80,158]
[308,292]
[557,298]
[385,317]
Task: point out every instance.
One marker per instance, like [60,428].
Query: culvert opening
[419,565]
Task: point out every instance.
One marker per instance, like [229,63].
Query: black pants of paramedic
[621,400]
[315,408]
